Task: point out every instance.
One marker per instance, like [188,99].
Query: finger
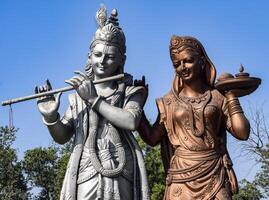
[82,74]
[69,82]
[72,83]
[44,88]
[143,80]
[76,81]
[48,85]
[79,79]
[37,92]
[40,89]
[36,89]
[58,96]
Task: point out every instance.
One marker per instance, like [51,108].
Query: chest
[185,112]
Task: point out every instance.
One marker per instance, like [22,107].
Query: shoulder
[132,91]
[218,98]
[162,104]
[166,99]
[217,95]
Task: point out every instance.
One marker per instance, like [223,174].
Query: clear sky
[50,39]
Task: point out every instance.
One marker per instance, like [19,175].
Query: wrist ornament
[93,104]
[234,106]
[51,123]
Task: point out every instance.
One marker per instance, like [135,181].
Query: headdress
[177,44]
[108,31]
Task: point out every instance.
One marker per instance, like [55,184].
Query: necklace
[193,108]
[194,100]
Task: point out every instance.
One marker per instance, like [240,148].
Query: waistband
[203,155]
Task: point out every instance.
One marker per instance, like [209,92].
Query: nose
[182,65]
[102,58]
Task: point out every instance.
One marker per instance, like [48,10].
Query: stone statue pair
[107,163]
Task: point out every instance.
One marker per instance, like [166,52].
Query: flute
[51,92]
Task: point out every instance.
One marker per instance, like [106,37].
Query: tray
[241,85]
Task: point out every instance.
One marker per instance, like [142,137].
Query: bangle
[234,107]
[51,123]
[232,99]
[96,101]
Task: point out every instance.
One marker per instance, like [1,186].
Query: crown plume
[101,16]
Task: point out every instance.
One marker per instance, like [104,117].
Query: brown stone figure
[191,127]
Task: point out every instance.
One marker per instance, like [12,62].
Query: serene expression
[105,60]
[187,65]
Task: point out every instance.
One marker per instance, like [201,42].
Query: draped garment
[78,115]
[194,151]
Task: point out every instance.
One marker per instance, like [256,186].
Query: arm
[126,118]
[151,134]
[239,124]
[62,129]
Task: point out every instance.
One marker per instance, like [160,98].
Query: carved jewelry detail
[101,16]
[91,140]
[234,106]
[177,42]
[194,100]
[191,104]
[109,30]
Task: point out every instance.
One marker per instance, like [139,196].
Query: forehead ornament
[177,42]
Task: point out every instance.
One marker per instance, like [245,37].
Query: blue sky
[50,39]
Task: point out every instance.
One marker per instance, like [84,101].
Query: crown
[178,41]
[108,29]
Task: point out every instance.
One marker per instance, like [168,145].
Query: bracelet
[232,99]
[234,107]
[51,123]
[96,101]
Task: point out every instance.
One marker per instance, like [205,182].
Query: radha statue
[106,162]
[191,127]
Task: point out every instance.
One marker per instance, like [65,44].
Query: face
[105,60]
[187,65]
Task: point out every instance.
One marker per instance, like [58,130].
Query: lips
[185,73]
[100,67]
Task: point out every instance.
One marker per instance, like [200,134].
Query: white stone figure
[106,162]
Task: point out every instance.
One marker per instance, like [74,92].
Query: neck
[194,88]
[108,85]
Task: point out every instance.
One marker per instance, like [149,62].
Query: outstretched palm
[48,105]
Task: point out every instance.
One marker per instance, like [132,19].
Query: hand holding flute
[48,105]
[55,91]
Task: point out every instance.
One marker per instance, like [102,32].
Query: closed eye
[190,60]
[111,56]
[97,54]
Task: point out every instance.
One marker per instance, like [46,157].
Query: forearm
[152,135]
[239,123]
[117,116]
[60,132]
